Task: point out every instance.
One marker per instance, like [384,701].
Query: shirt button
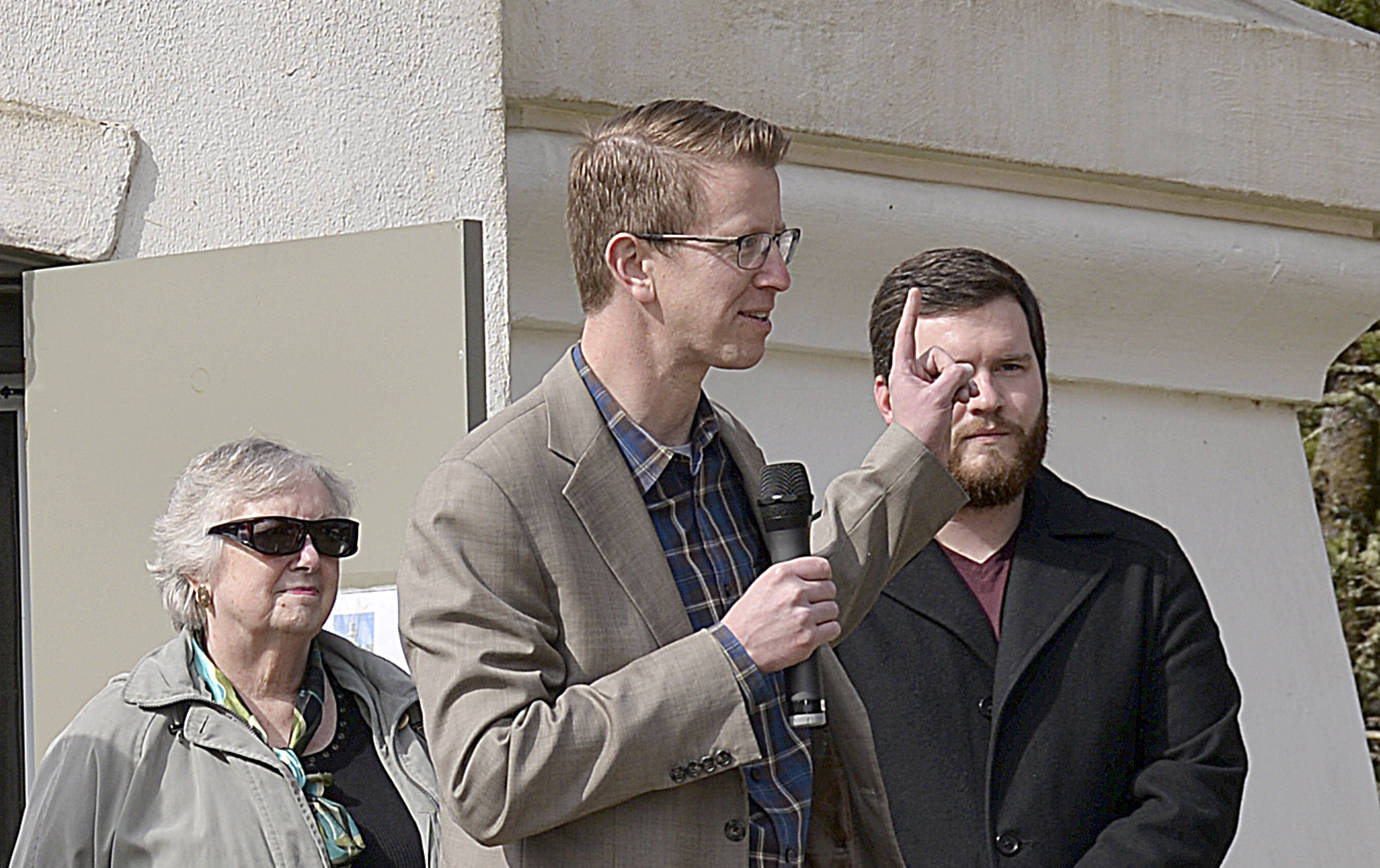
[1008,844]
[790,854]
[985,707]
[735,830]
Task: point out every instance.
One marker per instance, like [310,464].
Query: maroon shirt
[987,580]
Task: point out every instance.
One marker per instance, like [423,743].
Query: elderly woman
[252,738]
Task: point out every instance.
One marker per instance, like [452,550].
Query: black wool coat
[1100,731]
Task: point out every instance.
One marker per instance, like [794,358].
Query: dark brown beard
[999,484]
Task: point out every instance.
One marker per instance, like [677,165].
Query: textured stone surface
[64,181]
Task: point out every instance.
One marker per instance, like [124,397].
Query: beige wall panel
[351,347]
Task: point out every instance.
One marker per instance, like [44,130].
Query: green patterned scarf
[338,830]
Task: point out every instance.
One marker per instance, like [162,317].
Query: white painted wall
[1191,186]
[266,120]
[1231,96]
[1187,186]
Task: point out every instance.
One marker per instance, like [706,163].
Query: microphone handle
[804,699]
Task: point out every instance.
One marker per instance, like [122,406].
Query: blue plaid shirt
[702,516]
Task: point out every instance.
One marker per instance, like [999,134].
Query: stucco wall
[1216,95]
[1190,185]
[265,120]
[1187,186]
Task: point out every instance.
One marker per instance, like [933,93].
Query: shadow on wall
[143,184]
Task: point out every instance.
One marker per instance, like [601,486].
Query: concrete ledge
[1134,297]
[1238,99]
[65,180]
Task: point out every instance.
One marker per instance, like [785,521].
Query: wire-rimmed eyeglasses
[753,248]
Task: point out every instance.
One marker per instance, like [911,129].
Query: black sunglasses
[282,535]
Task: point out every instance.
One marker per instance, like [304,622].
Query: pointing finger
[903,347]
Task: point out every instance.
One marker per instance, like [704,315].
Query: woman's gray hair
[214,484]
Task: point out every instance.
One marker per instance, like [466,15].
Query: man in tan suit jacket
[600,678]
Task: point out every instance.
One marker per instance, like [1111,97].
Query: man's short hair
[640,172]
[950,280]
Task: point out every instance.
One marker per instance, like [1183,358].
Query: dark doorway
[13,775]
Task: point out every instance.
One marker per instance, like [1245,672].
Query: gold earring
[203,596]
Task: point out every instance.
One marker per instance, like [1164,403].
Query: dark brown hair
[950,279]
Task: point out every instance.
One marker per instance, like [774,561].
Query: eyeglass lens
[754,249]
[277,535]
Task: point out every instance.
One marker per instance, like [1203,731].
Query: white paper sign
[368,617]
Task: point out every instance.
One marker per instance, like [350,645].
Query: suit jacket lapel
[604,496]
[745,454]
[1050,577]
[930,586]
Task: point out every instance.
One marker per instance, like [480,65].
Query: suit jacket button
[693,769]
[985,707]
[707,764]
[724,758]
[1008,844]
[735,830]
[678,773]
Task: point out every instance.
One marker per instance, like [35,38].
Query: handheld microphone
[785,503]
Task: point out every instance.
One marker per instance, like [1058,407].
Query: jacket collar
[164,676]
[1051,575]
[606,499]
[163,679]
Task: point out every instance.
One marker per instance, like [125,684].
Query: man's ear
[627,263]
[882,394]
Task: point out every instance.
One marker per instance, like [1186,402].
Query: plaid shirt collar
[646,457]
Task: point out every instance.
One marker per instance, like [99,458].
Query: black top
[390,835]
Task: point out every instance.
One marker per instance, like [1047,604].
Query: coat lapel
[745,454]
[932,588]
[608,504]
[1050,577]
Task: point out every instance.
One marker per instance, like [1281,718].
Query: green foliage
[1362,13]
[1337,433]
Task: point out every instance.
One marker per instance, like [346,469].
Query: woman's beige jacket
[152,772]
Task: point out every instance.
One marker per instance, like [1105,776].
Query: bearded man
[1045,680]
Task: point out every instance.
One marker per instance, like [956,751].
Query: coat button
[678,774]
[724,759]
[1008,844]
[985,707]
[735,830]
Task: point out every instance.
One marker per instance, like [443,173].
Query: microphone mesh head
[785,480]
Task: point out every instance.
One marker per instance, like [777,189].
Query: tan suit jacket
[560,679]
